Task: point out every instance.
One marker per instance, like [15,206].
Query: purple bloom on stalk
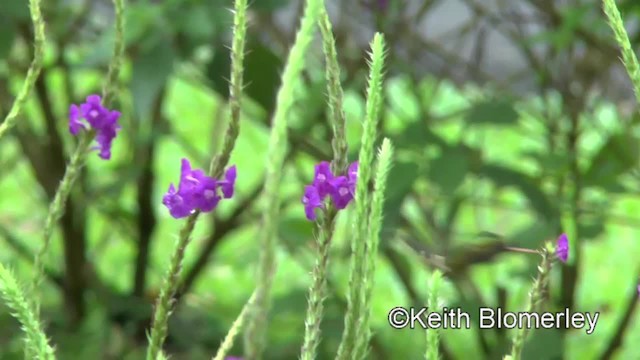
[197,191]
[312,201]
[228,183]
[341,192]
[562,248]
[341,188]
[322,179]
[92,115]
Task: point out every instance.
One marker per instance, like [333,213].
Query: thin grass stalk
[629,58]
[78,158]
[537,295]
[255,334]
[227,343]
[318,288]
[36,342]
[433,334]
[360,225]
[372,240]
[39,39]
[165,300]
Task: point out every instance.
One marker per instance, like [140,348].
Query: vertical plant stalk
[36,342]
[537,296]
[57,207]
[629,58]
[39,39]
[317,290]
[164,302]
[433,335]
[255,334]
[227,343]
[372,240]
[365,160]
[218,163]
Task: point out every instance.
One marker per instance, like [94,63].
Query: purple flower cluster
[92,115]
[341,189]
[562,248]
[197,191]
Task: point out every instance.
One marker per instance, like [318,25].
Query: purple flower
[322,178]
[232,358]
[92,115]
[228,183]
[197,191]
[341,188]
[341,192]
[311,200]
[562,248]
[638,288]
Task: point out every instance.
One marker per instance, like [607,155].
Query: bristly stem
[164,302]
[372,240]
[36,342]
[255,334]
[57,206]
[360,224]
[218,163]
[317,290]
[433,335]
[34,69]
[227,343]
[537,295]
[335,94]
[629,58]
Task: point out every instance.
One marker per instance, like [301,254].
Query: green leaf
[448,170]
[15,9]
[7,37]
[495,112]
[543,344]
[261,69]
[504,177]
[295,232]
[268,5]
[151,70]
[617,156]
[418,135]
[400,182]
[532,236]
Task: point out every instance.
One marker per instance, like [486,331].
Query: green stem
[255,334]
[372,241]
[36,342]
[360,224]
[34,69]
[227,343]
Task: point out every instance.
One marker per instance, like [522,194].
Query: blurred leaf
[7,37]
[532,236]
[495,112]
[504,177]
[448,170]
[552,163]
[295,232]
[261,69]
[399,184]
[418,135]
[268,5]
[15,9]
[543,344]
[618,155]
[151,70]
